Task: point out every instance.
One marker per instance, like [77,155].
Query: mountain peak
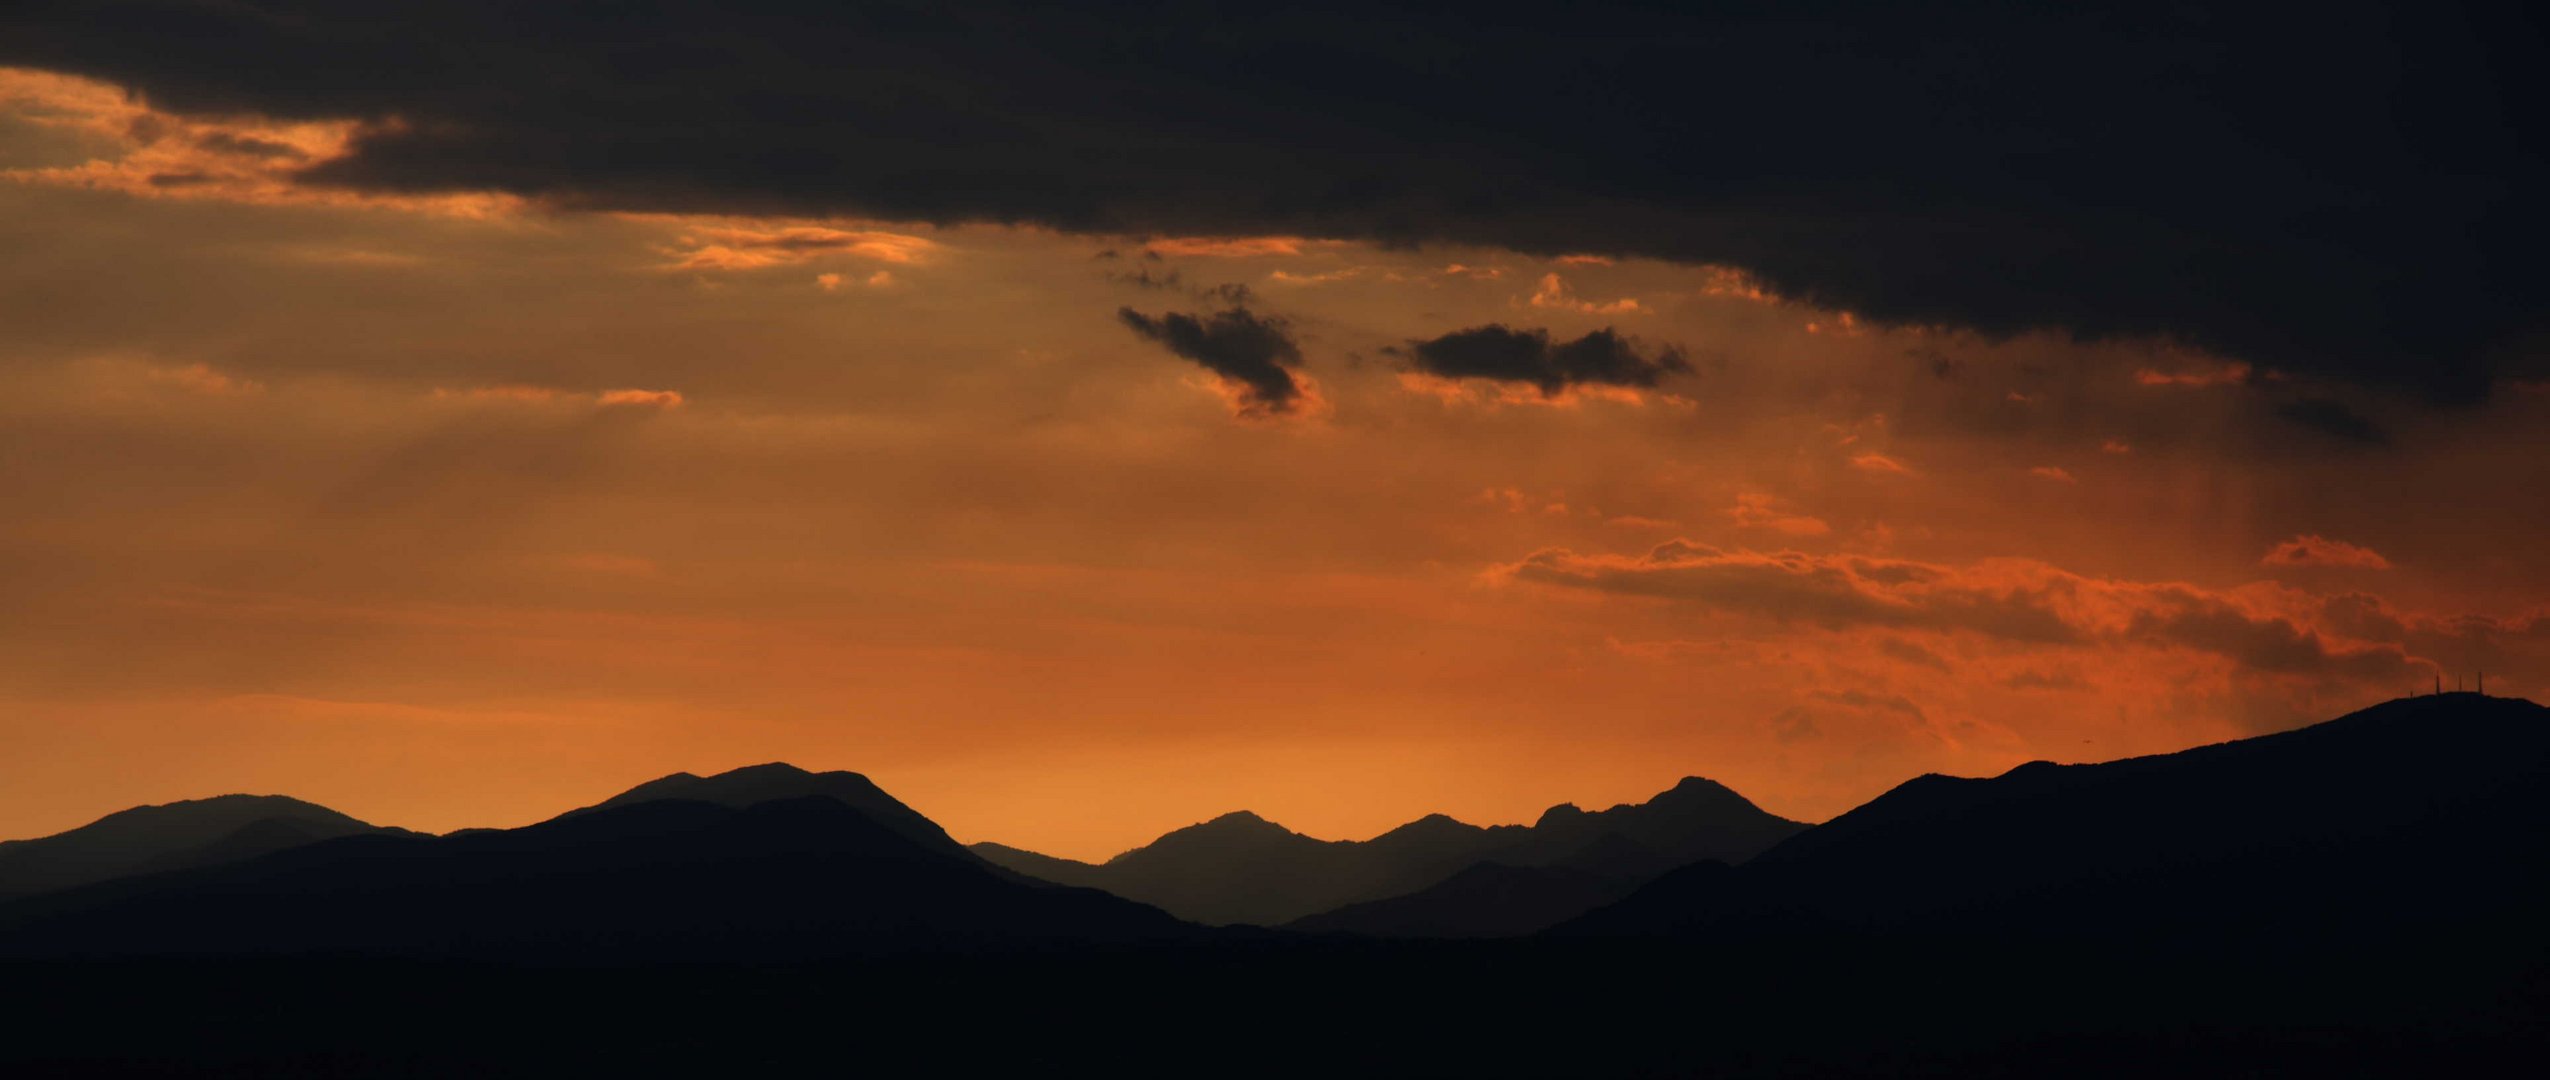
[128,840]
[773,781]
[1697,792]
[767,769]
[1566,811]
[1432,830]
[227,810]
[1238,826]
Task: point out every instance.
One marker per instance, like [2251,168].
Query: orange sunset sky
[455,508]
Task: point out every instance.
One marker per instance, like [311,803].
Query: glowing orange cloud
[2322,551]
[653,399]
[831,282]
[1763,511]
[1553,293]
[1244,402]
[202,379]
[1843,324]
[1730,283]
[516,394]
[165,156]
[1289,278]
[1230,247]
[1489,393]
[1880,463]
[729,244]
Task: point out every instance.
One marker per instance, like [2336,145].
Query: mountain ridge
[2332,822]
[666,879]
[771,781]
[167,835]
[1239,868]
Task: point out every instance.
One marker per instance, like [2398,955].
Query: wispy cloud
[725,244]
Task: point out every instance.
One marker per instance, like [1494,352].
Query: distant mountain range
[1236,869]
[769,863]
[2361,897]
[173,836]
[2424,806]
[1243,869]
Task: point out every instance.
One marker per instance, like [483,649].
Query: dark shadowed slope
[1241,868]
[1497,899]
[2414,820]
[1041,867]
[1486,900]
[195,832]
[661,880]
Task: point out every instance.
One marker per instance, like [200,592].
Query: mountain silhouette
[2413,819]
[169,836]
[1243,869]
[1696,819]
[753,784]
[1235,869]
[2359,898]
[1497,899]
[662,880]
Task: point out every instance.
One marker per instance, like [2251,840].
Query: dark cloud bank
[1496,351]
[1255,351]
[2344,189]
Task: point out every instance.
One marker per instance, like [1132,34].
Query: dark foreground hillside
[2412,824]
[1446,1009]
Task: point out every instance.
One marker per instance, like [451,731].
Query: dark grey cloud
[2335,420]
[2347,191]
[226,143]
[1500,352]
[1255,351]
[1144,279]
[1226,294]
